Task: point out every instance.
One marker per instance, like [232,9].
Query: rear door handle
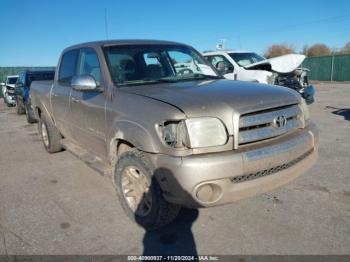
[75,100]
[53,94]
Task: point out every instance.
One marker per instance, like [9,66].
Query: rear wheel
[50,135]
[20,108]
[29,114]
[139,192]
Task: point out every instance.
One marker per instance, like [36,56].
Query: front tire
[139,192]
[50,135]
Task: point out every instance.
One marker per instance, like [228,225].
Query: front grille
[262,125]
[270,171]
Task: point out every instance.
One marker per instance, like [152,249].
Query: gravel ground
[55,204]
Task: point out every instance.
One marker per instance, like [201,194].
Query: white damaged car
[8,90]
[248,66]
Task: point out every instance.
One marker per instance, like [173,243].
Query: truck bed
[40,93]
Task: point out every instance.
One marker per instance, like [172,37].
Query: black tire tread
[167,211]
[53,134]
[30,118]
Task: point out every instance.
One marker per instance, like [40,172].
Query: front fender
[134,134]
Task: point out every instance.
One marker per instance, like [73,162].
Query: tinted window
[12,80]
[21,79]
[89,64]
[145,64]
[244,59]
[151,59]
[68,65]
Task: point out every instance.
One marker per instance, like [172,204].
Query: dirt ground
[55,204]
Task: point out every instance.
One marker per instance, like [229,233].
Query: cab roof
[104,43]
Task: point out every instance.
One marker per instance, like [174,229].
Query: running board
[92,161]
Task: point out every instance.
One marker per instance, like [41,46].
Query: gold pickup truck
[171,132]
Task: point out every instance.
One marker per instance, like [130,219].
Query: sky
[33,33]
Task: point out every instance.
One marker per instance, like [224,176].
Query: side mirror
[84,83]
[2,84]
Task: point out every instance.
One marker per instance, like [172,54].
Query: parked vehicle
[248,66]
[22,88]
[171,129]
[2,85]
[8,90]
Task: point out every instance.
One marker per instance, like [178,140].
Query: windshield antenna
[106,24]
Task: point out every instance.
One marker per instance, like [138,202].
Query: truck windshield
[144,64]
[12,80]
[244,59]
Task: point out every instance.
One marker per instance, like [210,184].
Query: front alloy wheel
[136,191]
[139,192]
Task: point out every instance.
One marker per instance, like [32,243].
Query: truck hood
[281,64]
[217,98]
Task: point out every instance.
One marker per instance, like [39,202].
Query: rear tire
[50,135]
[19,106]
[152,211]
[29,114]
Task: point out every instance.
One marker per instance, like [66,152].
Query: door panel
[60,107]
[61,91]
[88,107]
[90,120]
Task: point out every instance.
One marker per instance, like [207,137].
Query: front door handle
[75,100]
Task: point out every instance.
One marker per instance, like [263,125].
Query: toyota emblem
[280,121]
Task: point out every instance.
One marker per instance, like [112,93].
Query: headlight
[305,109]
[195,133]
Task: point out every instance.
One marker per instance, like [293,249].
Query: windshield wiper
[207,76]
[191,77]
[169,79]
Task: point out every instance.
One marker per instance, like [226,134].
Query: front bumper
[308,94]
[220,178]
[10,99]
